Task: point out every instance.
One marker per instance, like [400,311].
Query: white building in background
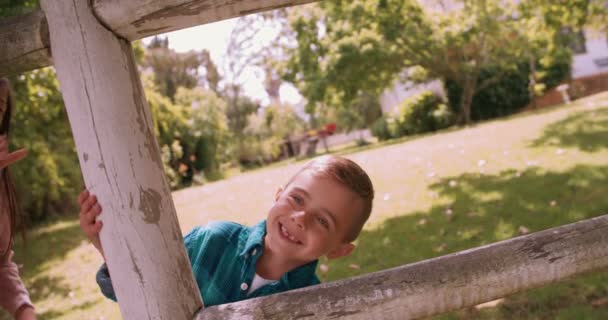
[590,55]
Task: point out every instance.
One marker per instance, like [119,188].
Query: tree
[173,69]
[50,176]
[349,47]
[207,144]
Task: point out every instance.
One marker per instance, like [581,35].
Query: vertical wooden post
[121,163]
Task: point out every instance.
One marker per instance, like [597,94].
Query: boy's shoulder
[222,229]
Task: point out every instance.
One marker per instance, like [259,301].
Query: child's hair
[350,175]
[6,182]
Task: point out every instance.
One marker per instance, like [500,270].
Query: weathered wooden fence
[120,159]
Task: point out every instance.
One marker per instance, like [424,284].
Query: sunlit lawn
[435,195]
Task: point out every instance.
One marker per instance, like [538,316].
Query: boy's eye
[297,199]
[323,222]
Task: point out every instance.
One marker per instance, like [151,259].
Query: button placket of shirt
[250,260]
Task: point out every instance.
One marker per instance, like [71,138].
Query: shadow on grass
[45,244]
[585,130]
[483,209]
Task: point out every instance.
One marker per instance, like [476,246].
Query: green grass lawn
[435,194]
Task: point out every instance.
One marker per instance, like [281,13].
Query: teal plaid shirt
[223,257]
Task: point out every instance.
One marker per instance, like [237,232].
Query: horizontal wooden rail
[25,44]
[136,19]
[442,284]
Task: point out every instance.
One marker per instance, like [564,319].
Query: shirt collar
[300,276]
[255,238]
[296,278]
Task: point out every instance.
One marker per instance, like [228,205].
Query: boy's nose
[299,218]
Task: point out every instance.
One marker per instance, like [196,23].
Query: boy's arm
[105,282]
[89,211]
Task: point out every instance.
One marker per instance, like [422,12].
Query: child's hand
[25,313]
[89,210]
[7,158]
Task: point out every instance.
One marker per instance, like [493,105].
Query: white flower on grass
[323,268]
[481,163]
[559,151]
[387,196]
[453,183]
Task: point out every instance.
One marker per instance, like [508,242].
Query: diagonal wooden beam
[25,38]
[121,164]
[442,284]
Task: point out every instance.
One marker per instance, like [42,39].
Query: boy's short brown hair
[350,175]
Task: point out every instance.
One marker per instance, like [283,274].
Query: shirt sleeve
[13,294]
[105,282]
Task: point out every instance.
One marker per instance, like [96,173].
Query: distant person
[14,297]
[320,212]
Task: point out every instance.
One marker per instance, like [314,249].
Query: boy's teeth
[286,233]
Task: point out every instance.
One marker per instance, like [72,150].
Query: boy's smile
[285,233]
[309,219]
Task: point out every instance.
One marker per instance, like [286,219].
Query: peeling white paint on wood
[137,19]
[120,160]
[442,284]
[27,36]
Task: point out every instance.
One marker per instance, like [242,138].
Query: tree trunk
[120,161]
[468,90]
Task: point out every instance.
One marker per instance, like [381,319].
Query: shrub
[512,92]
[420,113]
[380,129]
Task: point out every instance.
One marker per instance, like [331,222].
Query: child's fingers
[83,195]
[93,213]
[8,159]
[88,204]
[97,226]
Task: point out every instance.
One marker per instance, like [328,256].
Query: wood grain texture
[442,284]
[137,19]
[25,43]
[26,36]
[120,161]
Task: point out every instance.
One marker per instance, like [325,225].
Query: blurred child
[14,297]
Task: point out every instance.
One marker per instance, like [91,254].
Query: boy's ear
[341,251]
[278,193]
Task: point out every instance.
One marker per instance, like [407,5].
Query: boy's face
[311,218]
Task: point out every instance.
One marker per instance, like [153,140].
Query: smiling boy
[320,212]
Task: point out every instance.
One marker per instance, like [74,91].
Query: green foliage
[49,178]
[17,7]
[193,134]
[380,129]
[206,145]
[266,133]
[361,113]
[348,47]
[510,91]
[507,96]
[423,112]
[554,67]
[172,70]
